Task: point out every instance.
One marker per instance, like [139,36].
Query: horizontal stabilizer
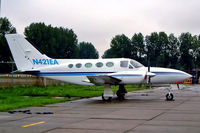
[32,72]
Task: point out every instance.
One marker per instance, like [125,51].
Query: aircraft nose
[186,75]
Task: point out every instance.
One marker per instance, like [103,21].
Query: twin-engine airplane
[107,72]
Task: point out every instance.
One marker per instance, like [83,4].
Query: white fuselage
[76,71]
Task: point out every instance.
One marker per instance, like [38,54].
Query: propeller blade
[148,65]
[149,82]
[149,74]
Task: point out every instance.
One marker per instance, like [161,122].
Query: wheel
[169,97]
[120,95]
[106,98]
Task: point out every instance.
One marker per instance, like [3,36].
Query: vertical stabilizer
[25,55]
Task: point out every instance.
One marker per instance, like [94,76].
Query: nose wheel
[169,96]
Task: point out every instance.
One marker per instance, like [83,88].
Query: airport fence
[9,80]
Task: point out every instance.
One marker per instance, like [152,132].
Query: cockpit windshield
[131,63]
[135,64]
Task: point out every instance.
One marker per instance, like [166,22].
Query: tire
[169,97]
[106,98]
[120,95]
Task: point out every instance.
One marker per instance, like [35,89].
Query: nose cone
[168,75]
[186,75]
[183,75]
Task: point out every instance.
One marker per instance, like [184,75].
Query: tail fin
[25,55]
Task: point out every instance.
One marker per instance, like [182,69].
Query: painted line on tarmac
[33,124]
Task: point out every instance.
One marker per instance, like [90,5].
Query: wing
[103,79]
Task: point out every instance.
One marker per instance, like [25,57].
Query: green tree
[173,51]
[162,47]
[138,47]
[188,47]
[157,45]
[108,54]
[120,46]
[87,51]
[56,42]
[152,48]
[5,55]
[197,52]
[162,50]
[194,52]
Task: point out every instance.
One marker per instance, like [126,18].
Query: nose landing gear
[169,96]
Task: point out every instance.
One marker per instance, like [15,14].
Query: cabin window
[78,65]
[88,65]
[123,63]
[99,64]
[70,65]
[109,64]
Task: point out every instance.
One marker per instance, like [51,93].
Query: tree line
[161,49]
[55,42]
[59,42]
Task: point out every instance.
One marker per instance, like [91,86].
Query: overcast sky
[98,21]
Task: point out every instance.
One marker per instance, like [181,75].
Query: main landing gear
[121,92]
[108,93]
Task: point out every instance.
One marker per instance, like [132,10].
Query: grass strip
[18,96]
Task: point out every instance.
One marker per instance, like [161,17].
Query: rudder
[23,52]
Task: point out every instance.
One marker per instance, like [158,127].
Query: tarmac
[141,112]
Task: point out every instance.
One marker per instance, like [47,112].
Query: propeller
[149,75]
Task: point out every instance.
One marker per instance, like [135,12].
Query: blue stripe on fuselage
[84,74]
[72,73]
[127,75]
[168,73]
[100,73]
